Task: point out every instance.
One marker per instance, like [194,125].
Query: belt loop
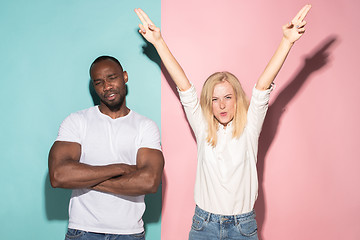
[236,220]
[208,217]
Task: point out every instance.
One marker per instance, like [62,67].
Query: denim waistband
[211,217]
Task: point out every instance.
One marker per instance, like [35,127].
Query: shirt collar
[229,125]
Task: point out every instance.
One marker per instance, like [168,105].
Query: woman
[227,128]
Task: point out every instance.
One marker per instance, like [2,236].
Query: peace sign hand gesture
[296,28]
[147,28]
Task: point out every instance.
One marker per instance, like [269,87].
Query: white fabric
[105,141]
[226,180]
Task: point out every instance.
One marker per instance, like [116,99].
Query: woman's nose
[222,105]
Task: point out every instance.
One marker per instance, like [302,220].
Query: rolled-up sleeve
[257,110]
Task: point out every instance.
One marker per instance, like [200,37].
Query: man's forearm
[74,175]
[136,183]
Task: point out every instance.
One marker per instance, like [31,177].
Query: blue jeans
[208,226]
[73,234]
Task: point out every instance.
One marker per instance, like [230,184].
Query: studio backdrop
[308,162]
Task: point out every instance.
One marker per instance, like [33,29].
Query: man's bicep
[62,152]
[150,158]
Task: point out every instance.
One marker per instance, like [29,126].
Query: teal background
[46,49]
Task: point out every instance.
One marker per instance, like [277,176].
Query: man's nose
[107,86]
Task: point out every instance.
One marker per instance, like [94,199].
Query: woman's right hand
[152,34]
[147,28]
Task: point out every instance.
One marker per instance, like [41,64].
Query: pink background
[308,151]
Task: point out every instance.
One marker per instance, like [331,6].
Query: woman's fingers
[151,27]
[298,21]
[145,16]
[301,30]
[304,12]
[288,25]
[141,17]
[142,29]
[301,24]
[145,20]
[301,14]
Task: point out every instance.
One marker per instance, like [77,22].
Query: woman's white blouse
[226,180]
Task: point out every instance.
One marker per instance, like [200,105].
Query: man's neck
[115,112]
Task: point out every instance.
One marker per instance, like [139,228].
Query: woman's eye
[214,99]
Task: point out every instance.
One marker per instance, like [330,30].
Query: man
[110,156]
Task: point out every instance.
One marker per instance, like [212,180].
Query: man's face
[109,83]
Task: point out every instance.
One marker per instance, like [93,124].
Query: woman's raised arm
[152,34]
[291,33]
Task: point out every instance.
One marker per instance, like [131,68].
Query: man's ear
[125,75]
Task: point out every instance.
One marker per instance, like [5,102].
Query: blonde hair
[242,105]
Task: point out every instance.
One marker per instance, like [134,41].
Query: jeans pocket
[74,233]
[248,228]
[197,223]
[139,236]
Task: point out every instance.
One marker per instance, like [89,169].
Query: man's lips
[110,96]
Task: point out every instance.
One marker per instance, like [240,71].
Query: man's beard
[115,105]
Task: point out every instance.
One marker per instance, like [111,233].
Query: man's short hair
[102,58]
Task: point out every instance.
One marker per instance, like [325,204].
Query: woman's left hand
[296,28]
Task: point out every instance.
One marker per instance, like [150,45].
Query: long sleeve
[192,108]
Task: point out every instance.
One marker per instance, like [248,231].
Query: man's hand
[146,178]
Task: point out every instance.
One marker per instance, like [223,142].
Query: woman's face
[224,102]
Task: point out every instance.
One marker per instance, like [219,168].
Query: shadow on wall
[94,96]
[153,201]
[150,51]
[315,61]
[56,201]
